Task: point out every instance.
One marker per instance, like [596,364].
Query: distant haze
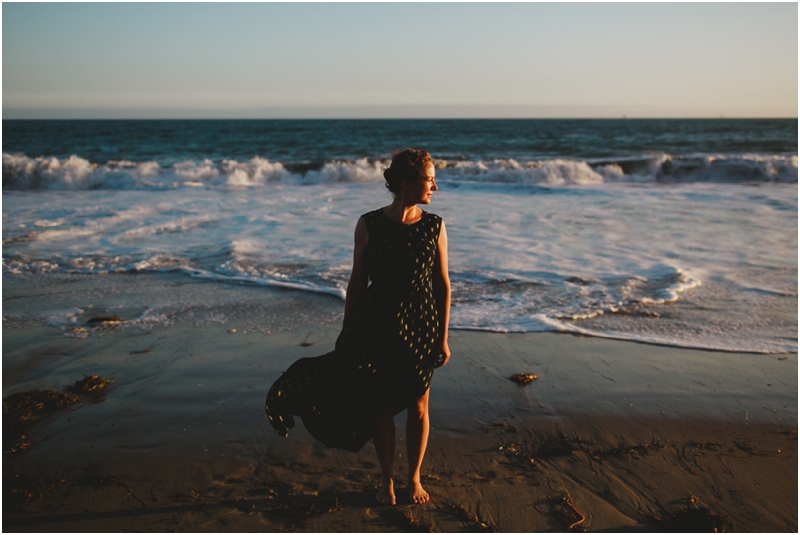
[332,60]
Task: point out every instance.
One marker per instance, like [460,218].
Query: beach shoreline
[633,436]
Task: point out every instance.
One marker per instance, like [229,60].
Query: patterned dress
[384,357]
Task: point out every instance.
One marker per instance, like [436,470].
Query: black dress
[384,357]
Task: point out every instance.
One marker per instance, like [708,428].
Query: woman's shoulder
[373,213]
[431,216]
[379,215]
[372,216]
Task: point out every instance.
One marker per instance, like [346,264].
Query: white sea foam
[44,223]
[18,264]
[257,171]
[277,280]
[61,235]
[62,318]
[21,172]
[573,257]
[359,171]
[196,172]
[72,325]
[725,169]
[670,294]
[549,172]
[161,262]
[183,224]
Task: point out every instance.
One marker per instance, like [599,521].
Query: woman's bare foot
[417,494]
[386,494]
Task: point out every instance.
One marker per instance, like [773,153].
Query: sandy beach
[613,436]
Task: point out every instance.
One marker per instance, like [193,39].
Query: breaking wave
[21,172]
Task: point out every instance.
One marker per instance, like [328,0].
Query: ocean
[673,232]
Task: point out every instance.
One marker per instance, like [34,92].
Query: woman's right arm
[358,277]
[441,293]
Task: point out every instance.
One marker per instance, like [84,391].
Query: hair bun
[408,164]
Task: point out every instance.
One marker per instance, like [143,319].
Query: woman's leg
[384,447]
[417,429]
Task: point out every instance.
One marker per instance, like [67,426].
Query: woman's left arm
[441,292]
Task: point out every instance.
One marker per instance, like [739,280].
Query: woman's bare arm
[441,292]
[358,277]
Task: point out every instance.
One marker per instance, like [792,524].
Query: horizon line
[401,119]
[414,118]
[434,112]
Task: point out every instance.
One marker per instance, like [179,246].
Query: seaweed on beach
[104,320]
[523,379]
[90,384]
[694,518]
[24,409]
[512,448]
[565,510]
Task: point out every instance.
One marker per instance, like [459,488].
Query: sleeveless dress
[384,356]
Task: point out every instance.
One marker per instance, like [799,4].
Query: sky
[299,60]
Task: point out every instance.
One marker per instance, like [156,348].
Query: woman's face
[422,190]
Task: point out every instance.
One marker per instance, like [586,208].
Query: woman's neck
[402,212]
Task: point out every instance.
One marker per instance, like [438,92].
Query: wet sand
[612,436]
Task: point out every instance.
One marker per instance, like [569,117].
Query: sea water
[677,232]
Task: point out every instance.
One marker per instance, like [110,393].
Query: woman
[395,332]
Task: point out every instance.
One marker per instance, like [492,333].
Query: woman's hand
[444,355]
